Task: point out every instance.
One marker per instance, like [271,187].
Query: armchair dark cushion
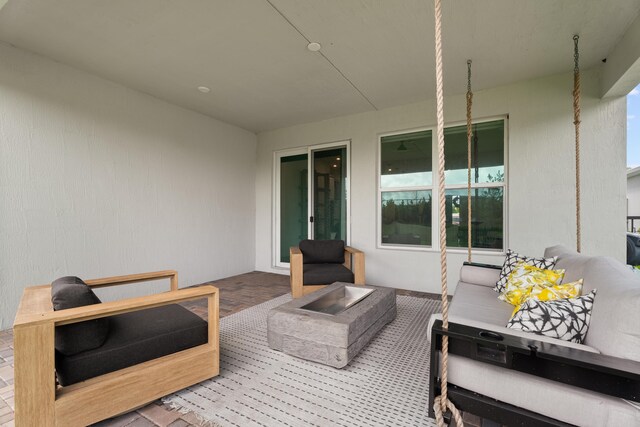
[135,337]
[323,274]
[322,251]
[70,292]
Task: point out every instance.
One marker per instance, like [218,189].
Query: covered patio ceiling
[253,54]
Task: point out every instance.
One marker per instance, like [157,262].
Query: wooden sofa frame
[297,268]
[40,402]
[604,374]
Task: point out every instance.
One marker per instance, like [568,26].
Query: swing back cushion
[615,317]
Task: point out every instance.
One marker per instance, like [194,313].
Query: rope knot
[440,406]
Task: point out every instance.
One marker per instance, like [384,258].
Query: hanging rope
[576,123]
[469,133]
[442,403]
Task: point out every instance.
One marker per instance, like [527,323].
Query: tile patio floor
[236,293]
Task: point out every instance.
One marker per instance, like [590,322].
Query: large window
[407,187]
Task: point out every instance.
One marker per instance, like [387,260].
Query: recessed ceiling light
[314,47]
[204,89]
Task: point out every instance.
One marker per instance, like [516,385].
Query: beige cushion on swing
[479,276]
[479,303]
[614,328]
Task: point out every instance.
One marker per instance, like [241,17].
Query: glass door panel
[329,194]
[294,214]
[310,205]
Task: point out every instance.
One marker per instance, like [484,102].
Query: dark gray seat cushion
[134,338]
[322,251]
[71,292]
[324,274]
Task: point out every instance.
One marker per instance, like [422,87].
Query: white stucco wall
[99,180]
[541,204]
[633,196]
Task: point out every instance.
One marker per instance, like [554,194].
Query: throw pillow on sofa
[522,280]
[565,319]
[551,293]
[510,263]
[561,291]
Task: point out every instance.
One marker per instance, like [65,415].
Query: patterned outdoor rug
[385,385]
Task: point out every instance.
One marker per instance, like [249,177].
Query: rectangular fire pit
[332,325]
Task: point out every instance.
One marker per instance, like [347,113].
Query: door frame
[308,150]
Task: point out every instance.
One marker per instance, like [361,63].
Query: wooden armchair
[39,401]
[309,272]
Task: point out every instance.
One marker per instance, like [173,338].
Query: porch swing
[543,381]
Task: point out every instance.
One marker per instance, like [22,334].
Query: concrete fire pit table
[332,325]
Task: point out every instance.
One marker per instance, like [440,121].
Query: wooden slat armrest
[296,271]
[295,258]
[135,278]
[88,312]
[356,264]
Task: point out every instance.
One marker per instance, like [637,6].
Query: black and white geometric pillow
[565,319]
[510,263]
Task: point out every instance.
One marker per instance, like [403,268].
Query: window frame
[430,188]
[435,226]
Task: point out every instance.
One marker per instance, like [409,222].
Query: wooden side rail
[37,399]
[296,272]
[355,258]
[135,278]
[95,311]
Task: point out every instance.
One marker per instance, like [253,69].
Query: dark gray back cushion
[322,251]
[70,292]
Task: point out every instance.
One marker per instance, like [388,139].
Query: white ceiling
[252,53]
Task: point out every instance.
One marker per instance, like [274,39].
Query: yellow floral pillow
[524,278]
[562,291]
[555,292]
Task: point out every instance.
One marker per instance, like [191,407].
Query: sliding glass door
[329,194]
[310,205]
[293,191]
